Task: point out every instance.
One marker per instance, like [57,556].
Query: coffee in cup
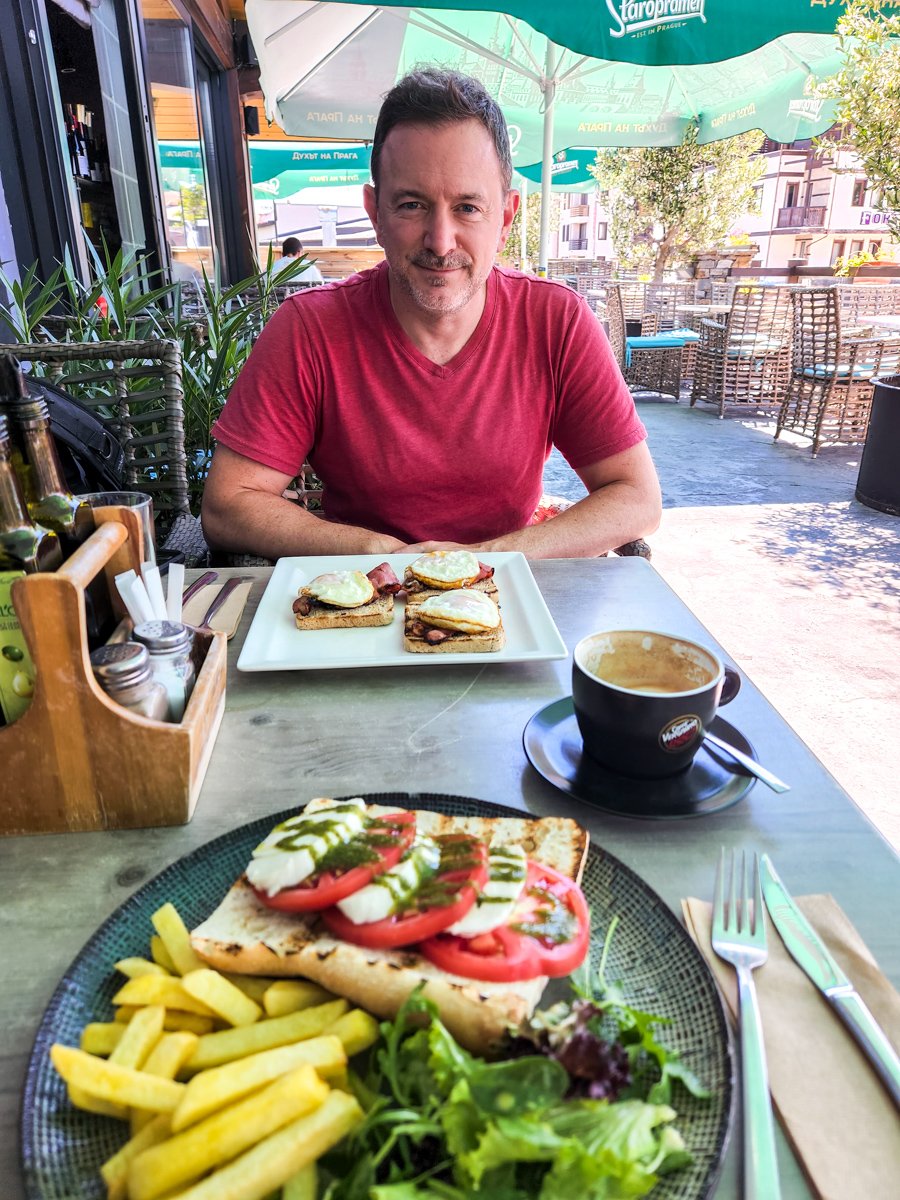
[643,700]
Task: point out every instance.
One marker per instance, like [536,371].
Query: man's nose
[440,231]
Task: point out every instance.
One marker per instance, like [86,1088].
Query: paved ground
[797,580]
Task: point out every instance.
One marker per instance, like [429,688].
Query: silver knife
[809,952]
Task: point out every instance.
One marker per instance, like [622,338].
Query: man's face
[442,212]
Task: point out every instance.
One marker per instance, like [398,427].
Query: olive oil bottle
[25,548]
[35,458]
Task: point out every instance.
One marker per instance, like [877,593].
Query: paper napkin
[834,1110]
[229,615]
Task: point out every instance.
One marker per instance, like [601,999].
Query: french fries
[231,1084]
[224,1135]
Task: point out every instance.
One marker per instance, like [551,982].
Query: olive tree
[668,203]
[867,91]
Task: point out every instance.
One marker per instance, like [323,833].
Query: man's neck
[439,336]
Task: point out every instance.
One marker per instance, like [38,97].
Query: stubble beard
[433,296]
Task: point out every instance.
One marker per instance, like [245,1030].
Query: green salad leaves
[441,1122]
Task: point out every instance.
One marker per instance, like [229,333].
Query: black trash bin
[878,483]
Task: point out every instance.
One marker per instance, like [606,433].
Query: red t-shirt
[420,451]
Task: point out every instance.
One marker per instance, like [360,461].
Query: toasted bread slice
[246,937]
[379,611]
[459,642]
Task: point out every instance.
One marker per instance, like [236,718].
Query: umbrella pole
[548,87]
[523,224]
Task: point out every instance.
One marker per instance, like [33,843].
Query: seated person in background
[428,392]
[291,250]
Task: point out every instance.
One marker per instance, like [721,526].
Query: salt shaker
[169,645]
[123,671]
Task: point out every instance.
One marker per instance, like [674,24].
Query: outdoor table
[288,736]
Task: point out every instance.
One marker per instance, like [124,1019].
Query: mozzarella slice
[391,889]
[446,568]
[343,589]
[293,849]
[508,869]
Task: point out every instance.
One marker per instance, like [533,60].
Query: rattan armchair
[744,359]
[653,361]
[830,395]
[136,390]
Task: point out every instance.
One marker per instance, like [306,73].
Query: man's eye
[468,209]
[409,205]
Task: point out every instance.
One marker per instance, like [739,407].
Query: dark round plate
[660,968]
[713,781]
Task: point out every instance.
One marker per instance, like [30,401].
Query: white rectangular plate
[274,643]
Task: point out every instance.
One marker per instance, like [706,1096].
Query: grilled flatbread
[246,937]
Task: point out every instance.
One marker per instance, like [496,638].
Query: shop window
[81,94]
[178,140]
[858,198]
[837,249]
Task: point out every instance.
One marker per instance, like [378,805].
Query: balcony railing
[579,210]
[578,243]
[801,216]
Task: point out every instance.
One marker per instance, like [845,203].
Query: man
[291,250]
[427,393]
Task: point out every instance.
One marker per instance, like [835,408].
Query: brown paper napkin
[229,615]
[839,1119]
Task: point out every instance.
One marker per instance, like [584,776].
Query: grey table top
[288,736]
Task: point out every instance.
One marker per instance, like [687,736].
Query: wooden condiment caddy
[76,760]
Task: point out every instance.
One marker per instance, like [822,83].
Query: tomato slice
[327,887]
[547,934]
[445,898]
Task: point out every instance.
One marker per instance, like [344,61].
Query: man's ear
[510,208]
[370,204]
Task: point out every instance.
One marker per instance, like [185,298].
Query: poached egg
[341,589]
[446,569]
[462,609]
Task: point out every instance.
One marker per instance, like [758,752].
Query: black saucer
[713,781]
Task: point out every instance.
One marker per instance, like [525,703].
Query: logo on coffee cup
[680,733]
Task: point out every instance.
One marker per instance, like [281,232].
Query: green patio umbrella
[579,73]
[282,169]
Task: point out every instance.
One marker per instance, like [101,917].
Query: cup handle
[730,686]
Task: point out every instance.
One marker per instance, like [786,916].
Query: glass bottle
[34,454]
[123,671]
[169,644]
[24,546]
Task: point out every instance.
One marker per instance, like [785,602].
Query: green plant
[847,265]
[215,326]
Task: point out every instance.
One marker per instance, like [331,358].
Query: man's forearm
[607,518]
[270,526]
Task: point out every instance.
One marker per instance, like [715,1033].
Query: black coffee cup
[643,699]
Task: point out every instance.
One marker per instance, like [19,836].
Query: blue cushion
[840,371]
[673,339]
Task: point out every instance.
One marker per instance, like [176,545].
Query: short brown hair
[435,96]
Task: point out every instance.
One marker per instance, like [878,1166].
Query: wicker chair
[830,395]
[136,390]
[744,360]
[653,361]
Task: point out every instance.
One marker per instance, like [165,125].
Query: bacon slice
[486,572]
[384,580]
[303,605]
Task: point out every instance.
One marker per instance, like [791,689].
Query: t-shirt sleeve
[270,414]
[595,413]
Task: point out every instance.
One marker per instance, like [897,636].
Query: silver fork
[739,937]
